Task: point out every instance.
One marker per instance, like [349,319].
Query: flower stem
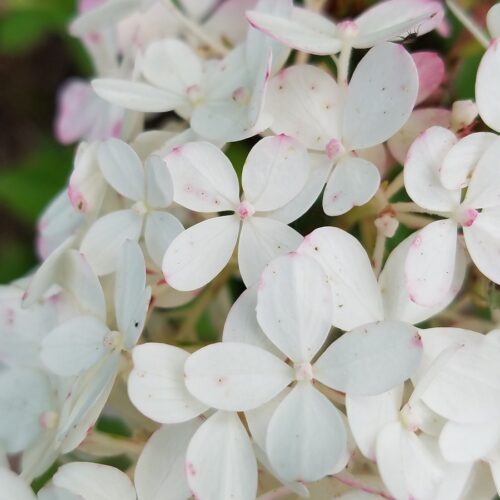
[468,23]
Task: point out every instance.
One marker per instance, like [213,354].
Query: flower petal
[306,435]
[430,264]
[160,470]
[122,168]
[305,30]
[200,253]
[156,385]
[488,86]
[204,179]
[220,462]
[269,163]
[305,103]
[14,487]
[355,292]
[137,96]
[431,71]
[103,241]
[380,98]
[261,240]
[352,183]
[294,306]
[159,184]
[370,359]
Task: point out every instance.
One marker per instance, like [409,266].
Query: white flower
[308,104]
[275,172]
[150,191]
[436,169]
[310,32]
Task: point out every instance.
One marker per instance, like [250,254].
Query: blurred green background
[37,55]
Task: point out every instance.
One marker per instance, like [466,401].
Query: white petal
[159,184]
[74,346]
[235,377]
[130,284]
[397,302]
[136,95]
[294,306]
[484,186]
[198,254]
[380,97]
[94,481]
[468,442]
[241,323]
[419,121]
[220,462]
[261,240]
[160,230]
[320,169]
[305,103]
[305,30]
[368,415]
[493,21]
[306,435]
[488,87]
[204,179]
[483,243]
[156,385]
[370,359]
[13,487]
[102,243]
[462,158]
[393,19]
[430,264]
[355,292]
[421,174]
[171,65]
[269,163]
[25,396]
[160,470]
[122,168]
[352,183]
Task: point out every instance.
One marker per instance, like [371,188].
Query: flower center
[48,420]
[113,340]
[140,207]
[195,94]
[245,210]
[334,149]
[466,216]
[348,29]
[241,96]
[303,371]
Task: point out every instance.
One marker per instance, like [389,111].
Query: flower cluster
[353,361]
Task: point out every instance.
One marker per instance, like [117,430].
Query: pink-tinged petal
[235,377]
[397,302]
[305,436]
[482,239]
[462,159]
[261,240]
[122,168]
[377,155]
[380,98]
[430,69]
[204,179]
[430,264]
[305,30]
[488,86]
[370,359]
[172,65]
[419,121]
[394,19]
[352,183]
[355,292]
[305,103]
[137,96]
[421,173]
[161,469]
[220,462]
[269,163]
[200,253]
[294,306]
[484,185]
[156,385]
[368,415]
